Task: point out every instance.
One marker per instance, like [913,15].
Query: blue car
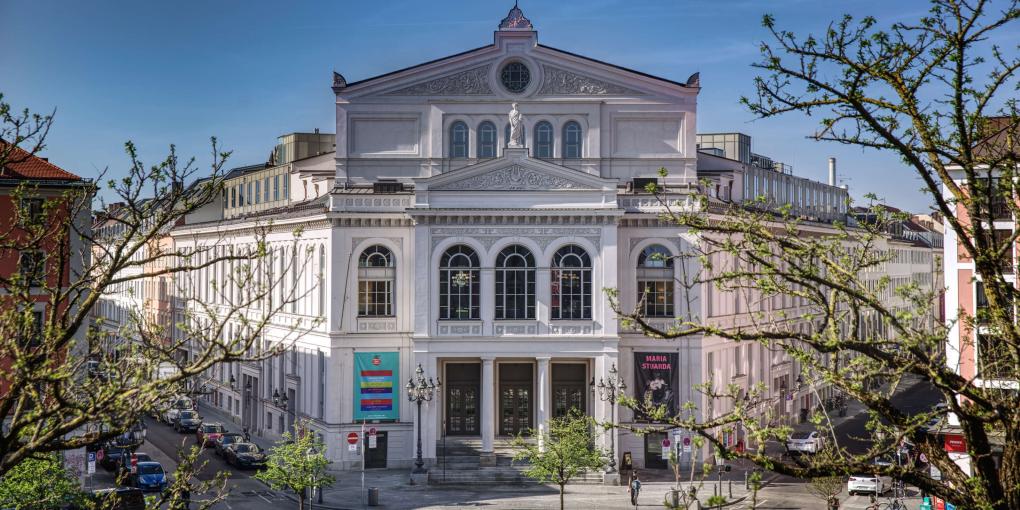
[150,477]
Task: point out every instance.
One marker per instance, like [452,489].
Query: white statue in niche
[516,128]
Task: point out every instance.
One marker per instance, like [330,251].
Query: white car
[870,483]
[805,442]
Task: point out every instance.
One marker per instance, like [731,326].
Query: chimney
[832,171]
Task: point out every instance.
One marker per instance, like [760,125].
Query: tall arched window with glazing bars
[458,140]
[543,140]
[376,277]
[572,140]
[486,140]
[655,281]
[571,284]
[515,283]
[459,275]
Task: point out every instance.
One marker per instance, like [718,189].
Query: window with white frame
[571,284]
[458,140]
[486,140]
[515,283]
[543,140]
[655,281]
[459,275]
[376,278]
[572,140]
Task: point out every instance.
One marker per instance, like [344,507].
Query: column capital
[488,359]
[543,359]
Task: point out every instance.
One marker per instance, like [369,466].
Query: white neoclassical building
[480,251]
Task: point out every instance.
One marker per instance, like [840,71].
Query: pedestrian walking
[635,488]
[244,431]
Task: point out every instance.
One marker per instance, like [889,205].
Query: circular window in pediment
[515,77]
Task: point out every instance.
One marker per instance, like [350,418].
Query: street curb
[294,499]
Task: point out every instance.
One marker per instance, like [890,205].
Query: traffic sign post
[352,442]
[372,437]
[665,448]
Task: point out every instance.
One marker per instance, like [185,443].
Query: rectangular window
[276,187]
[32,267]
[249,194]
[258,192]
[240,195]
[286,187]
[375,298]
[322,384]
[738,361]
[233,197]
[265,191]
[656,297]
[32,210]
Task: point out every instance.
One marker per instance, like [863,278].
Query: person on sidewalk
[635,488]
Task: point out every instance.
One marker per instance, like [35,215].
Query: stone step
[498,476]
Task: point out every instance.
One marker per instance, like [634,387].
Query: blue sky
[247,71]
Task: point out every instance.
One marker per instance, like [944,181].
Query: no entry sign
[352,438]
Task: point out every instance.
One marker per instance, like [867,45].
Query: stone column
[488,456]
[544,401]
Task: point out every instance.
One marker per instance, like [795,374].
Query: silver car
[870,483]
[805,442]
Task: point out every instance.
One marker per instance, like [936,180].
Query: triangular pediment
[557,81]
[470,82]
[515,171]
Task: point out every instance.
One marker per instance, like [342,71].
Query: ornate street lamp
[420,390]
[276,397]
[609,392]
[233,382]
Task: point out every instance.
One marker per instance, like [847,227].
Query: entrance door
[653,451]
[462,399]
[375,458]
[568,388]
[515,398]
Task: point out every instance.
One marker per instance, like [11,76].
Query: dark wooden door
[568,388]
[462,399]
[516,402]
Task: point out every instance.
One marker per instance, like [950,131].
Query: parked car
[245,455]
[175,406]
[805,442]
[208,433]
[111,455]
[187,421]
[150,477]
[226,439]
[870,483]
[121,498]
[124,463]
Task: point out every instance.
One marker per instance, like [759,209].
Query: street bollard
[731,489]
[373,496]
[675,497]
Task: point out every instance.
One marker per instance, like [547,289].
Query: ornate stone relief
[355,241]
[543,236]
[472,82]
[513,178]
[560,82]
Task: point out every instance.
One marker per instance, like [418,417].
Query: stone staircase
[458,462]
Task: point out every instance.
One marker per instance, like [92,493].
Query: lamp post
[420,390]
[249,417]
[608,389]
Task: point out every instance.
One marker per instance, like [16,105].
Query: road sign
[352,447]
[352,438]
[665,448]
[99,455]
[371,432]
[687,444]
[371,441]
[92,463]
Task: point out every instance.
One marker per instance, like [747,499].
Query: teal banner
[376,386]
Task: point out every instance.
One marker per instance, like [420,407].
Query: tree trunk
[300,500]
[563,489]
[1008,473]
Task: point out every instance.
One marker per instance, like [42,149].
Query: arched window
[506,135]
[655,281]
[515,283]
[572,140]
[458,140]
[459,276]
[486,140]
[543,140]
[376,276]
[571,284]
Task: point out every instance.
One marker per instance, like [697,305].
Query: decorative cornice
[513,178]
[561,82]
[472,82]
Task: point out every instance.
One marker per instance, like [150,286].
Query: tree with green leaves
[39,483]
[297,464]
[561,452]
[940,93]
[63,385]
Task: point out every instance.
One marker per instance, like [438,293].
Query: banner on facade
[376,383]
[657,380]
